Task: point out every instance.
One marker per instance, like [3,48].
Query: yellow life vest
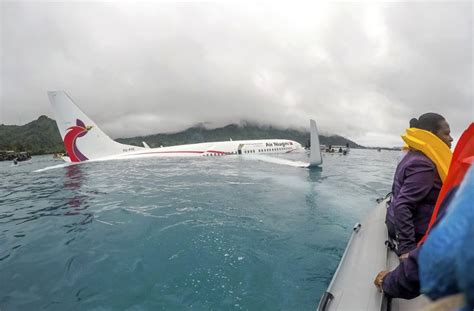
[432,147]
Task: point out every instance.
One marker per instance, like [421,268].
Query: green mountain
[42,136]
[199,133]
[38,137]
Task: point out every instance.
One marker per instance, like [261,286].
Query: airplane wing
[315,158]
[274,160]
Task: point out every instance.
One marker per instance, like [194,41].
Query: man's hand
[403,256]
[379,279]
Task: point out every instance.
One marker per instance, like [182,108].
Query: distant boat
[59,156]
[23,156]
[336,149]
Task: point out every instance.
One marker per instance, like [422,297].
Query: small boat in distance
[59,156]
[336,149]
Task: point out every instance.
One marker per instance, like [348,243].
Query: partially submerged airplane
[85,141]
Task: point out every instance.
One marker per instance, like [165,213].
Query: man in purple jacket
[404,280]
[415,189]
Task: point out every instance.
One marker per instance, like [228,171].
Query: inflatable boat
[366,254]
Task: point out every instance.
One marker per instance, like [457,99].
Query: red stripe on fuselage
[154,152]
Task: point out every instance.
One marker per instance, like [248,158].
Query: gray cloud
[362,70]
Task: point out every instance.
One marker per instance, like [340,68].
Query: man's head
[434,123]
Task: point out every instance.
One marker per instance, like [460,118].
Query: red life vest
[463,156]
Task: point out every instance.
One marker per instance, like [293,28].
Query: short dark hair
[429,121]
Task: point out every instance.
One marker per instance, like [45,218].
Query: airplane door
[239,149]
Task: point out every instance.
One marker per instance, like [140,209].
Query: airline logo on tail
[73,133]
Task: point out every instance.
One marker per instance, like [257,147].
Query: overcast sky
[362,70]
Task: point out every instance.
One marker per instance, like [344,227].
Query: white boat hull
[352,285]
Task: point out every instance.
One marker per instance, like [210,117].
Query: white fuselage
[85,141]
[221,148]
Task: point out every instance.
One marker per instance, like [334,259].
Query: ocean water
[225,233]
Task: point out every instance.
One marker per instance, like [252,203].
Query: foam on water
[202,233]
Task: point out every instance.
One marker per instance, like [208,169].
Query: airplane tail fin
[83,139]
[315,157]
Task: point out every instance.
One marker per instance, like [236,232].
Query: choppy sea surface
[225,233]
